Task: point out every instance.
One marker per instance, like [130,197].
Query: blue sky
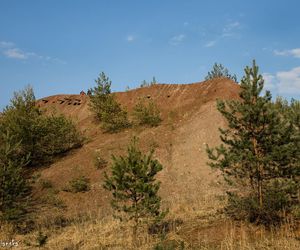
[60,46]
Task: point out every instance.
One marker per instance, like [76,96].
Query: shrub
[114,119]
[80,184]
[46,184]
[147,113]
[41,137]
[14,187]
[99,161]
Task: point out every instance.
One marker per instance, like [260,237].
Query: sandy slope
[190,120]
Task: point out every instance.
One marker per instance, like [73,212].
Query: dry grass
[203,226]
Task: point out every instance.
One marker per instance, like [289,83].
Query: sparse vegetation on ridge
[219,71]
[146,113]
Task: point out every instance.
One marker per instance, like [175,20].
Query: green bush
[147,113]
[99,161]
[46,184]
[14,187]
[81,184]
[41,137]
[114,119]
[278,203]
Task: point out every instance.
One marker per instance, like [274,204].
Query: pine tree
[260,153]
[134,187]
[99,94]
[105,106]
[220,71]
[14,188]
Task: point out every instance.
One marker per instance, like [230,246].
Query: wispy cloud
[4,44]
[285,82]
[210,43]
[10,50]
[291,52]
[130,38]
[230,28]
[178,39]
[15,53]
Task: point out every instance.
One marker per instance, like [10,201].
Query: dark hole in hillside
[148,96]
[45,101]
[61,102]
[53,102]
[168,96]
[69,103]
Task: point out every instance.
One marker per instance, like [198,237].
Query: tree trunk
[259,175]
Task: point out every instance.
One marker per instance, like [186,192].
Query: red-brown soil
[190,121]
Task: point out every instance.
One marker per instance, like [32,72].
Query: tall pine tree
[258,152]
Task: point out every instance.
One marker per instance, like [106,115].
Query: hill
[192,192]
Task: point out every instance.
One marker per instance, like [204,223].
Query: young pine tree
[106,108]
[134,187]
[220,71]
[260,155]
[99,94]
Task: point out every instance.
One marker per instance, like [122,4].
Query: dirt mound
[190,120]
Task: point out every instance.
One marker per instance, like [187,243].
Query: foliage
[147,84]
[218,71]
[80,184]
[147,114]
[114,118]
[261,153]
[41,239]
[14,188]
[41,137]
[133,185]
[99,94]
[99,161]
[45,184]
[105,107]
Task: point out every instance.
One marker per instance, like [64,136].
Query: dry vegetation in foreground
[198,226]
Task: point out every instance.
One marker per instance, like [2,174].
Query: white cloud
[4,44]
[130,38]
[15,53]
[289,81]
[291,52]
[269,81]
[210,44]
[229,28]
[175,40]
[9,50]
[284,82]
